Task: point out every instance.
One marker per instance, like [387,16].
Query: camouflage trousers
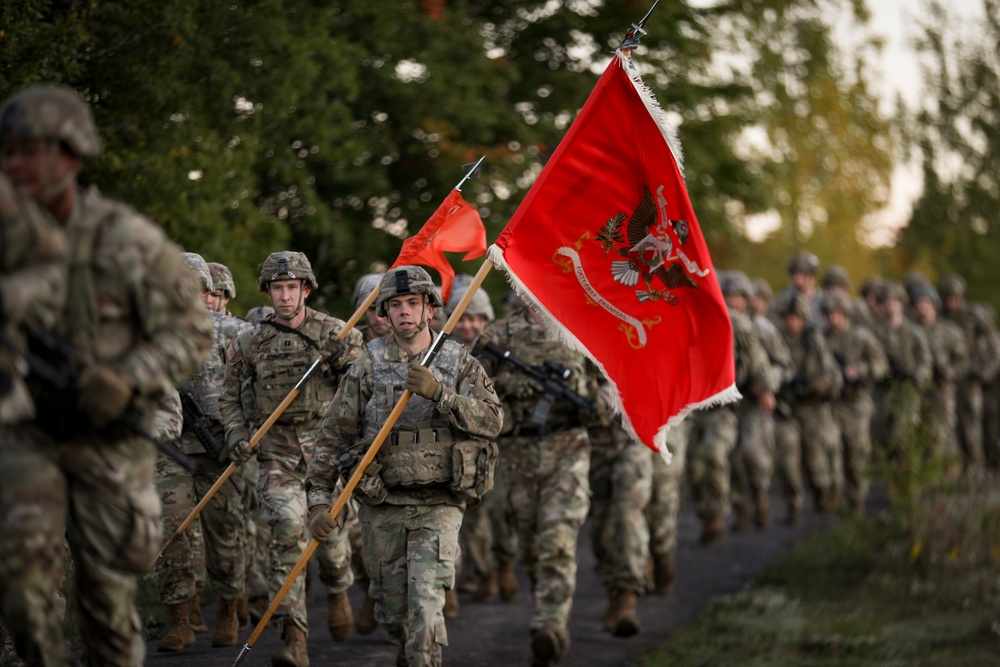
[476,540]
[712,441]
[283,506]
[788,461]
[621,481]
[217,548]
[970,423]
[664,504]
[752,461]
[97,493]
[854,418]
[410,551]
[257,534]
[548,491]
[502,528]
[821,451]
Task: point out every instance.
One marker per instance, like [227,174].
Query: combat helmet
[796,304]
[951,285]
[836,276]
[364,287]
[405,280]
[836,302]
[223,279]
[762,289]
[803,262]
[891,290]
[286,265]
[737,283]
[478,305]
[50,112]
[200,266]
[925,290]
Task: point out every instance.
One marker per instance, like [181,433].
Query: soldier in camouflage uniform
[984,363]
[950,356]
[134,327]
[910,366]
[621,478]
[220,552]
[716,431]
[372,325]
[546,461]
[268,361]
[752,460]
[862,364]
[436,457]
[225,288]
[664,508]
[805,426]
[802,269]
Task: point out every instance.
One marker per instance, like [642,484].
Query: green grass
[914,588]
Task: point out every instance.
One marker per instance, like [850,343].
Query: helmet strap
[421,325]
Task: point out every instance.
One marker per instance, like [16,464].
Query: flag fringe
[653,107]
[728,395]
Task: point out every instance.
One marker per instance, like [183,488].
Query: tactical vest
[419,449]
[281,358]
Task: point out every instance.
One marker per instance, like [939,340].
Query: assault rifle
[196,421]
[552,378]
[53,381]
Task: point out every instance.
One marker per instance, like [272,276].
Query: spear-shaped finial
[470,170]
[635,33]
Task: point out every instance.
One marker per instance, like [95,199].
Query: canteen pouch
[473,465]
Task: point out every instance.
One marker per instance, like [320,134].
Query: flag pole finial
[635,33]
[470,170]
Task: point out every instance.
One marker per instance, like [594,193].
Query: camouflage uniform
[135,326]
[897,399]
[862,364]
[950,356]
[802,269]
[805,426]
[546,461]
[218,547]
[621,477]
[266,363]
[664,506]
[222,280]
[413,507]
[716,431]
[984,357]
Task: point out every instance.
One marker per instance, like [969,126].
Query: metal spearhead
[635,33]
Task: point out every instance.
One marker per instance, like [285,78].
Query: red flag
[454,227]
[606,244]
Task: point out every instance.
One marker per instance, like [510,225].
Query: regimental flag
[454,227]
[606,244]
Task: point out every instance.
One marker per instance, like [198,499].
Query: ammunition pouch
[473,466]
[417,456]
[371,489]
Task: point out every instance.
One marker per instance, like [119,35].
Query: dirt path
[495,633]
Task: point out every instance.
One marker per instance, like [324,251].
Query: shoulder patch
[232,350]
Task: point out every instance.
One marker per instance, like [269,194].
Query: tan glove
[421,382]
[104,394]
[522,386]
[321,524]
[241,452]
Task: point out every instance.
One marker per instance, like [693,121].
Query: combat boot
[226,623]
[486,589]
[712,531]
[179,635]
[365,622]
[451,605]
[664,573]
[339,616]
[611,615]
[549,645]
[197,619]
[507,582]
[626,621]
[294,654]
[243,611]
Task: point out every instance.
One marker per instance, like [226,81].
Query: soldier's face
[212,300]
[468,327]
[33,167]
[378,325]
[926,311]
[837,320]
[286,295]
[407,312]
[794,324]
[804,282]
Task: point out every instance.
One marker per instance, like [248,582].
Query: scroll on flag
[607,245]
[454,227]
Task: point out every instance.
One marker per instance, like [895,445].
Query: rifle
[551,376]
[195,421]
[52,377]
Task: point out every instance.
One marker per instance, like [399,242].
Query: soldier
[752,460]
[225,288]
[806,421]
[802,269]
[414,493]
[664,507]
[270,359]
[621,478]
[546,461]
[134,327]
[760,298]
[910,366]
[872,313]
[984,362]
[862,364]
[716,430]
[836,280]
[950,356]
[220,551]
[373,325]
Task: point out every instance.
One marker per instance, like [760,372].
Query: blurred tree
[955,134]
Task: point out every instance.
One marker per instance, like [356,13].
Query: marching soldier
[802,269]
[133,326]
[270,360]
[415,491]
[225,288]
